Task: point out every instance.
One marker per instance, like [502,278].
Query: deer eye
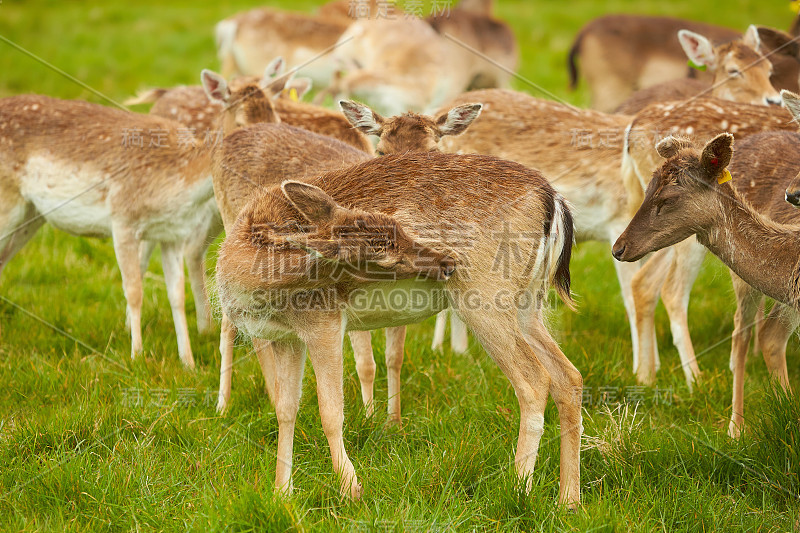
[380,153]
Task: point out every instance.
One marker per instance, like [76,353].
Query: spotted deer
[414,132]
[743,222]
[739,72]
[265,155]
[95,171]
[621,54]
[382,226]
[191,106]
[672,272]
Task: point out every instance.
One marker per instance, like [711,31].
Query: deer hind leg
[289,361]
[126,248]
[17,227]
[439,330]
[625,275]
[501,336]
[683,272]
[365,366]
[775,331]
[746,305]
[395,351]
[172,263]
[645,286]
[195,250]
[325,352]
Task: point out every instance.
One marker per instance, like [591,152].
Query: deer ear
[215,86]
[274,68]
[458,119]
[752,39]
[362,117]
[780,42]
[792,103]
[300,85]
[697,48]
[277,85]
[312,202]
[670,146]
[717,155]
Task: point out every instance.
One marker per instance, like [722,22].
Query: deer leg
[683,272]
[290,360]
[395,351]
[195,250]
[776,329]
[646,286]
[746,306]
[227,337]
[365,366]
[266,360]
[172,263]
[439,330]
[459,340]
[757,333]
[325,352]
[625,273]
[126,248]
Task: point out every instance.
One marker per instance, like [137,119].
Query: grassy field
[90,440]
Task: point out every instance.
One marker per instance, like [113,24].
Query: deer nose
[618,250]
[447,267]
[793,197]
[774,100]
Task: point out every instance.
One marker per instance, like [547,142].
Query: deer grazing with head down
[692,194]
[304,260]
[91,170]
[672,272]
[739,72]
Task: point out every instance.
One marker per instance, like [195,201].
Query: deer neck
[763,253]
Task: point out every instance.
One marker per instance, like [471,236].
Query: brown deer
[268,154]
[672,272]
[740,74]
[413,132]
[621,54]
[192,107]
[384,226]
[91,170]
[741,223]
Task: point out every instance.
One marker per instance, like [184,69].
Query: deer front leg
[644,365]
[126,248]
[195,248]
[459,339]
[266,360]
[289,364]
[227,337]
[325,351]
[439,330]
[775,331]
[646,286]
[172,263]
[395,351]
[365,366]
[746,306]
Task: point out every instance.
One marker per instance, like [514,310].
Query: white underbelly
[387,304]
[70,197]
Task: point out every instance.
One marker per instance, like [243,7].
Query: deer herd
[320,233]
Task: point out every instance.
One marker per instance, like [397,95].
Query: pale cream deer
[672,272]
[739,74]
[388,221]
[691,194]
[91,170]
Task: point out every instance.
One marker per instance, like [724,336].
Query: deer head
[409,132]
[679,199]
[792,103]
[357,238]
[741,73]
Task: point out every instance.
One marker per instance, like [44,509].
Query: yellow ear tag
[293,94]
[726,176]
[795,6]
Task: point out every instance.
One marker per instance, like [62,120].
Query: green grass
[77,451]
